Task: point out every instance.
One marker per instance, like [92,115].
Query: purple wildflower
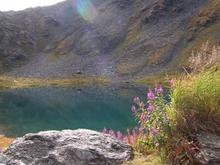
[150,95]
[133,109]
[140,130]
[134,133]
[154,131]
[143,117]
[137,100]
[150,108]
[131,139]
[159,90]
[112,133]
[126,139]
[171,82]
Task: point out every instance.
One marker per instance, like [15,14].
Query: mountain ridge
[116,38]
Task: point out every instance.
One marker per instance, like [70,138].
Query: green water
[32,110]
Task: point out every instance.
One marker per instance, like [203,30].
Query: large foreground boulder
[68,147]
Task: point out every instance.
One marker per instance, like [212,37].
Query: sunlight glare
[86,10]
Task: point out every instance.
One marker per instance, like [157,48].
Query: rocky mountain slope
[118,38]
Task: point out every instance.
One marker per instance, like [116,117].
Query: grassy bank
[152,159]
[26,82]
[152,80]
[194,107]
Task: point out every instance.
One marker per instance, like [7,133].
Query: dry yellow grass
[5,142]
[139,159]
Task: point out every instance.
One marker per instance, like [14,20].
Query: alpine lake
[32,110]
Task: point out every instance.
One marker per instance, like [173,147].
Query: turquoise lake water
[32,110]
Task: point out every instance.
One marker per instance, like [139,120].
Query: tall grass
[196,96]
[195,104]
[196,101]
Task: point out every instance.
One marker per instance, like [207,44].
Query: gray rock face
[210,149]
[68,147]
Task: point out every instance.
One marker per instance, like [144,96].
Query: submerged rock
[209,149]
[68,147]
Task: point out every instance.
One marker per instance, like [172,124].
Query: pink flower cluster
[152,118]
[130,138]
[145,112]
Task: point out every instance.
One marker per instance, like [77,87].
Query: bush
[154,123]
[154,126]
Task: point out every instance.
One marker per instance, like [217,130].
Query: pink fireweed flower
[112,133]
[137,100]
[126,139]
[133,109]
[150,95]
[131,139]
[154,131]
[150,108]
[140,130]
[171,82]
[159,90]
[120,136]
[134,133]
[143,117]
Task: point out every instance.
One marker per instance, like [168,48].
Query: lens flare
[86,9]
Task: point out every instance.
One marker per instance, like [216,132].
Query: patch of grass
[151,159]
[26,82]
[196,95]
[196,101]
[153,79]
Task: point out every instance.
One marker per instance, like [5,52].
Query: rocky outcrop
[209,149]
[68,147]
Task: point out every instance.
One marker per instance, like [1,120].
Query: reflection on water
[32,110]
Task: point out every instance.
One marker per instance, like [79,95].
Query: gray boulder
[68,147]
[209,149]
